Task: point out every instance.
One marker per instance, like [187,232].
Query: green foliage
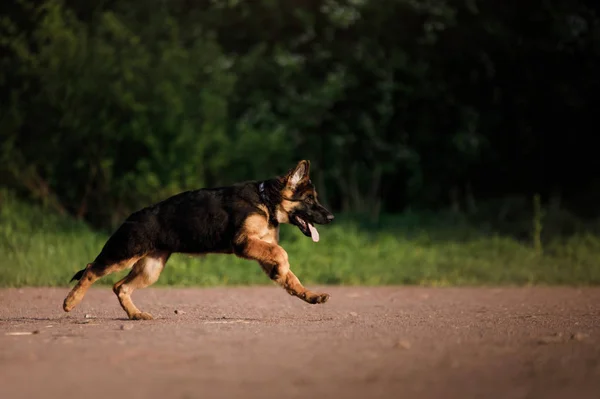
[40,248]
[134,110]
[109,106]
[538,215]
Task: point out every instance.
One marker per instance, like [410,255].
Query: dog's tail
[77,275]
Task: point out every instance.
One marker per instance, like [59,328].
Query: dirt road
[401,342]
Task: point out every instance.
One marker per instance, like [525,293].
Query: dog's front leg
[274,261]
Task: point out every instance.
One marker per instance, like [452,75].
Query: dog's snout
[330,217]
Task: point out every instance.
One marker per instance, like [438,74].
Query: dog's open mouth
[308,229]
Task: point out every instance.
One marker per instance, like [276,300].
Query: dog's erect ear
[299,173]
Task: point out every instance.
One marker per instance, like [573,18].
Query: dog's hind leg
[88,276]
[144,273]
[274,261]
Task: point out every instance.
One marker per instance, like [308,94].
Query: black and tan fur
[242,219]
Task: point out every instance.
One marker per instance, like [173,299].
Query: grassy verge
[38,248]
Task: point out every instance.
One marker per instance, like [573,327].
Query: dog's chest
[270,235]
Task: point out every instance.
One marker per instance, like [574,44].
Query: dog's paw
[141,316]
[314,298]
[68,305]
[71,301]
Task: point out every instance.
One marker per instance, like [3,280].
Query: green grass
[39,248]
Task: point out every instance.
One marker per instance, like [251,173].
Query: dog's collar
[261,191]
[263,197]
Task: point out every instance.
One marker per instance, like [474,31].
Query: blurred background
[451,139]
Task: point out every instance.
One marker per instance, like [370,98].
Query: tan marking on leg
[145,272]
[274,261]
[92,273]
[294,287]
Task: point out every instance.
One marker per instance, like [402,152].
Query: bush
[40,248]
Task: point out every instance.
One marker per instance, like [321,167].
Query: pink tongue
[313,232]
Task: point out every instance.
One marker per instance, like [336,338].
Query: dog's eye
[310,197]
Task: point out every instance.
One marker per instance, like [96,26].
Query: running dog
[242,219]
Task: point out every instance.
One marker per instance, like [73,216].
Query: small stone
[402,344]
[353,314]
[579,336]
[89,316]
[551,339]
[177,311]
[126,327]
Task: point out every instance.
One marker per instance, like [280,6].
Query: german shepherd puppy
[242,219]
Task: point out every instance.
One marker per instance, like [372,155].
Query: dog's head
[300,205]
